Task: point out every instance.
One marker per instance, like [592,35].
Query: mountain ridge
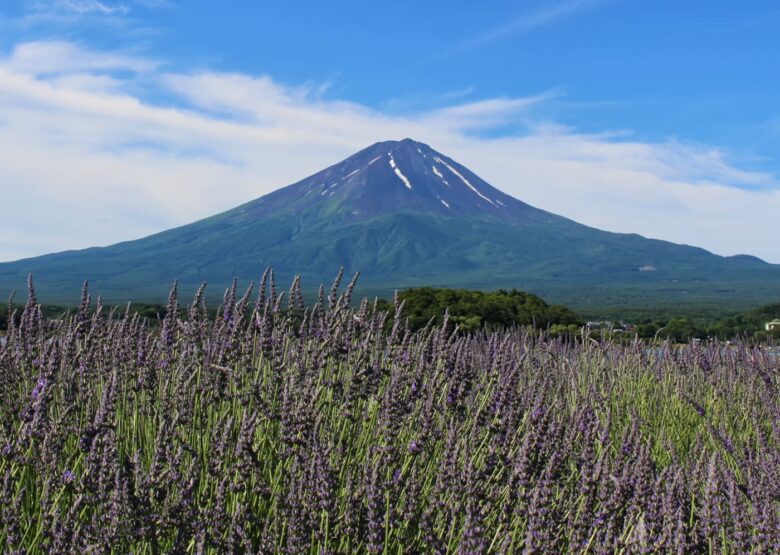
[403,215]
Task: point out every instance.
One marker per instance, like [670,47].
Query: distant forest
[749,324]
[473,310]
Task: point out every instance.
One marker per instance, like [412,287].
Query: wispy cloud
[87,160]
[102,15]
[62,57]
[519,25]
[485,114]
[156,4]
[82,7]
[457,94]
[93,6]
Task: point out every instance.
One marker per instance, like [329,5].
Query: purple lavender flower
[38,389]
[329,431]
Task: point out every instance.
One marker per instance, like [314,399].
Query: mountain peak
[392,177]
[405,148]
[403,142]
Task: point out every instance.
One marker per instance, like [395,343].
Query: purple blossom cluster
[281,428]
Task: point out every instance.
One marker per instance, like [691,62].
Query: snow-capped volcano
[403,215]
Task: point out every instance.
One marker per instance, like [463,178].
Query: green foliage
[749,324]
[682,330]
[648,329]
[472,310]
[564,330]
[153,313]
[686,323]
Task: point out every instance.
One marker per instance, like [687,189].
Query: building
[774,325]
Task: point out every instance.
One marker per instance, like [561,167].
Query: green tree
[472,310]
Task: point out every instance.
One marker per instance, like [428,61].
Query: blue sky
[655,117]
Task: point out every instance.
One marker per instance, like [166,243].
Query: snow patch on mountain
[465,181]
[351,174]
[440,175]
[400,175]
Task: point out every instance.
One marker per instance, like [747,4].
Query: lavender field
[278,428]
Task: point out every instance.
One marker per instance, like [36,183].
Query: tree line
[472,310]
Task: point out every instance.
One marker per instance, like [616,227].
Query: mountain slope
[403,215]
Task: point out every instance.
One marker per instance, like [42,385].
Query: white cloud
[527,22]
[519,25]
[83,7]
[85,161]
[482,114]
[62,57]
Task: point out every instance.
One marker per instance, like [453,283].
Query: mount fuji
[403,214]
